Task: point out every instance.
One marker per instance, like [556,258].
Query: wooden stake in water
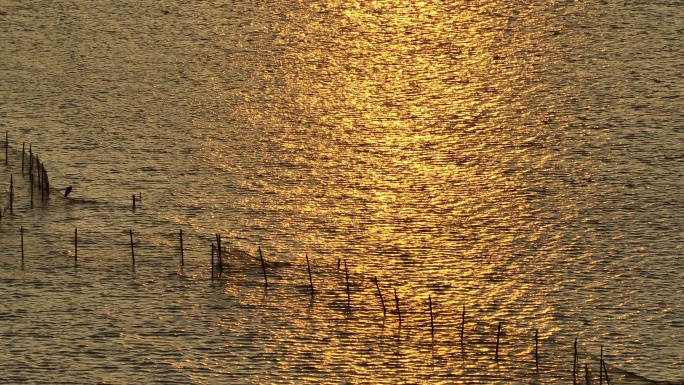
[432,323]
[212,261]
[39,176]
[181,247]
[6,145]
[132,250]
[536,349]
[133,196]
[263,267]
[382,301]
[21,230]
[31,172]
[498,338]
[574,364]
[75,244]
[23,155]
[219,254]
[586,374]
[396,300]
[605,370]
[601,367]
[462,327]
[308,268]
[346,276]
[46,180]
[11,197]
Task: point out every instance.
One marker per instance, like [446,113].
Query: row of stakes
[38,176]
[217,272]
[216,251]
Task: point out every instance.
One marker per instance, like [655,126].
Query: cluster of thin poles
[217,269]
[38,175]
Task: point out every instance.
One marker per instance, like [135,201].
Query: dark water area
[519,160]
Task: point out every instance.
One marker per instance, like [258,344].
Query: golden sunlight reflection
[408,137]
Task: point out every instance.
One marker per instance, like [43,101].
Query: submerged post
[23,155]
[263,267]
[574,364]
[432,323]
[396,299]
[346,276]
[11,195]
[462,326]
[498,337]
[133,196]
[181,247]
[219,255]
[75,244]
[132,250]
[382,301]
[46,181]
[308,268]
[6,145]
[212,261]
[605,370]
[21,230]
[601,367]
[587,377]
[31,171]
[536,349]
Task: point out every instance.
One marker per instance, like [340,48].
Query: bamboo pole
[432,323]
[75,245]
[31,171]
[11,195]
[212,261]
[601,367]
[586,374]
[463,327]
[132,250]
[46,180]
[181,247]
[498,338]
[308,268]
[396,300]
[21,231]
[219,255]
[574,363]
[263,267]
[382,301]
[536,349]
[346,275]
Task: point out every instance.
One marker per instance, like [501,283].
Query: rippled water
[520,159]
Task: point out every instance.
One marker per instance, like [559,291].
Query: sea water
[508,163]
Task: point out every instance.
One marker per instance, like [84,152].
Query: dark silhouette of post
[263,268]
[346,276]
[132,250]
[181,248]
[308,268]
[75,244]
[498,337]
[396,300]
[432,322]
[382,301]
